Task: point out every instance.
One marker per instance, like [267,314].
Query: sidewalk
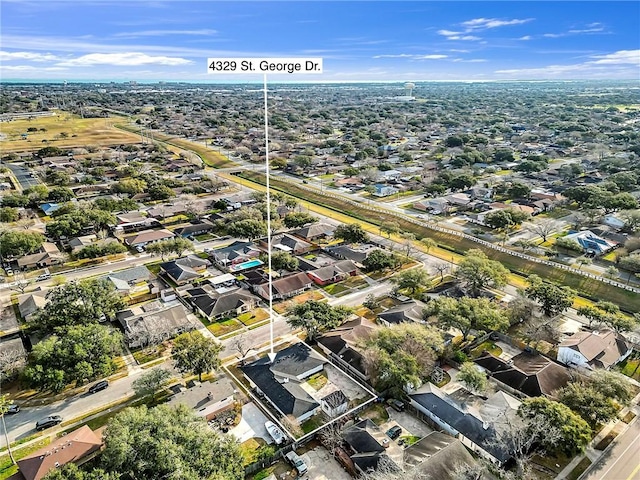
[595,455]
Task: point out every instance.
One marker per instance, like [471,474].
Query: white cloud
[413,56]
[31,56]
[448,33]
[161,33]
[123,59]
[31,68]
[526,37]
[588,30]
[617,58]
[431,57]
[485,23]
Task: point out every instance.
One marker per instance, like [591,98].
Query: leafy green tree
[160,192]
[612,384]
[507,218]
[151,381]
[379,260]
[609,314]
[351,233]
[168,443]
[413,279]
[315,317]
[195,353]
[568,244]
[78,302]
[60,194]
[428,244]
[283,261]
[590,403]
[74,354]
[402,355]
[71,471]
[14,243]
[519,190]
[298,219]
[9,214]
[248,228]
[575,432]
[390,228]
[15,200]
[630,262]
[131,186]
[175,245]
[468,314]
[553,299]
[472,378]
[477,271]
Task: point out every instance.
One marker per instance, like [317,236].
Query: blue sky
[359,41]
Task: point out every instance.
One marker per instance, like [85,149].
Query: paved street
[22,175]
[622,461]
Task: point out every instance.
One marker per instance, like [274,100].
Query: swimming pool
[245,265]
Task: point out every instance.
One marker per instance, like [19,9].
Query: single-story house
[76,447]
[593,350]
[459,199]
[208,399]
[237,252]
[592,242]
[287,243]
[166,211]
[315,231]
[214,305]
[29,303]
[130,280]
[49,208]
[367,445]
[280,380]
[530,374]
[334,404]
[155,322]
[78,243]
[410,311]
[148,236]
[185,269]
[436,205]
[349,252]
[48,255]
[285,287]
[199,228]
[384,190]
[333,273]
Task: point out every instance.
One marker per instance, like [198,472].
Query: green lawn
[317,381]
[310,425]
[148,354]
[377,413]
[489,346]
[335,289]
[631,366]
[579,469]
[255,316]
[224,326]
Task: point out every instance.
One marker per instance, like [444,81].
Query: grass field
[79,132]
[453,245]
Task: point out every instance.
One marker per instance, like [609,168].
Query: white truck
[293,458]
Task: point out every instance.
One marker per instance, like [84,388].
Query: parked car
[43,276]
[275,432]
[13,408]
[101,385]
[293,458]
[48,422]
[397,405]
[394,432]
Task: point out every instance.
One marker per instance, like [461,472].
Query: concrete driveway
[322,466]
[410,424]
[251,425]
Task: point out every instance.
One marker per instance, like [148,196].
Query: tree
[612,385]
[151,381]
[14,243]
[428,244]
[194,353]
[379,260]
[175,245]
[315,317]
[284,261]
[390,228]
[74,354]
[609,314]
[612,272]
[472,378]
[568,244]
[71,471]
[630,262]
[519,190]
[582,261]
[553,299]
[78,302]
[412,279]
[441,267]
[160,192]
[248,228]
[467,314]
[131,186]
[525,244]
[507,218]
[9,214]
[298,219]
[402,355]
[165,442]
[544,228]
[351,233]
[586,400]
[60,194]
[477,271]
[575,432]
[5,403]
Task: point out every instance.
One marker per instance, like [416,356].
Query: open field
[452,244]
[64,131]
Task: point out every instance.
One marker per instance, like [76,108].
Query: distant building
[594,349]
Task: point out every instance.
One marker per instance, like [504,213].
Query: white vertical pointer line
[266,172]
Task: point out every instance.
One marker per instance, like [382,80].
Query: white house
[594,349]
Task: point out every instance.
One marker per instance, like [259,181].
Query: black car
[101,385]
[397,405]
[394,432]
[48,422]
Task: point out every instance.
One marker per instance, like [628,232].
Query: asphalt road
[622,461]
[23,175]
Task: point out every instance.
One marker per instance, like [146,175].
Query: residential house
[285,287]
[76,447]
[48,255]
[78,243]
[196,228]
[134,222]
[356,254]
[591,242]
[146,237]
[469,426]
[29,303]
[410,311]
[367,445]
[527,374]
[131,280]
[214,305]
[165,211]
[384,190]
[287,243]
[280,380]
[185,269]
[458,199]
[315,231]
[49,208]
[333,273]
[343,346]
[594,350]
[435,205]
[236,253]
[155,322]
[208,399]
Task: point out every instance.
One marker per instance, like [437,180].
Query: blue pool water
[244,265]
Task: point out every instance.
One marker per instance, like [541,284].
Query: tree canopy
[351,233]
[476,270]
[411,279]
[471,377]
[380,260]
[315,317]
[14,243]
[195,353]
[553,299]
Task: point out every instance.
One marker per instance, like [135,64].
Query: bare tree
[541,328]
[20,283]
[544,228]
[441,267]
[11,359]
[331,434]
[292,425]
[240,345]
